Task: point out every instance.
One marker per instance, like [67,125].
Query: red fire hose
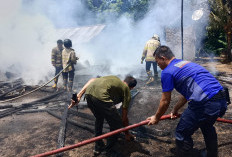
[98,138]
[224,120]
[110,134]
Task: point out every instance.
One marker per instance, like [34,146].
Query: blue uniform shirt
[190,79]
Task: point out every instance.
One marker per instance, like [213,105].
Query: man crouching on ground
[102,94]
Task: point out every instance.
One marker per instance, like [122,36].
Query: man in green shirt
[102,94]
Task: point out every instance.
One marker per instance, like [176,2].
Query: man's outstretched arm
[81,93]
[163,106]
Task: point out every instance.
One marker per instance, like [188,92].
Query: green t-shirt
[110,89]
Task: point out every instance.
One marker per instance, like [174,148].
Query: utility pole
[182,33]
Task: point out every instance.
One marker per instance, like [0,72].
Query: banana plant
[221,18]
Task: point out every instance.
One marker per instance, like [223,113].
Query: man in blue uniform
[205,97]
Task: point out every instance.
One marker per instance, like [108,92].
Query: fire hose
[145,122]
[36,88]
[98,137]
[224,120]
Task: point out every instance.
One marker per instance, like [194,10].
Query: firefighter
[148,51]
[205,96]
[102,94]
[68,57]
[56,59]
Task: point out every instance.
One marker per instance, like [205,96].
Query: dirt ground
[29,134]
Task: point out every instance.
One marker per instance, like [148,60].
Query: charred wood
[42,99]
[14,83]
[6,106]
[36,110]
[10,90]
[56,100]
[31,111]
[90,129]
[26,105]
[62,132]
[82,115]
[9,111]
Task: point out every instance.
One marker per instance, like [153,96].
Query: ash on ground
[34,128]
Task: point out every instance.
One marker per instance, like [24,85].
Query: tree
[135,9]
[215,41]
[221,19]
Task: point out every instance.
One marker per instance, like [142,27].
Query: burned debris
[78,125]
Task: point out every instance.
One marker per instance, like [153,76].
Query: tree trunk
[229,34]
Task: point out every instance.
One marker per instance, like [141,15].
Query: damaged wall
[173,40]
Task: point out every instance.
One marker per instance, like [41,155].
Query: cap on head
[67,43]
[156,37]
[59,41]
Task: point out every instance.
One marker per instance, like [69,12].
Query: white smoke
[24,42]
[121,44]
[28,33]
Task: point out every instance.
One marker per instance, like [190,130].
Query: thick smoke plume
[28,33]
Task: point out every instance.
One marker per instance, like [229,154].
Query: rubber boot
[184,149]
[149,74]
[151,78]
[109,151]
[212,148]
[70,85]
[65,84]
[54,86]
[156,75]
[99,147]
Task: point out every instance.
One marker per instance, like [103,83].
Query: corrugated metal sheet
[80,34]
[173,40]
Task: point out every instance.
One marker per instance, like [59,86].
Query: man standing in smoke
[148,51]
[57,59]
[68,58]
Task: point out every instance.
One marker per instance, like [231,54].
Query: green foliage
[219,25]
[135,9]
[215,40]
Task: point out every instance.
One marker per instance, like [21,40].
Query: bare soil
[29,134]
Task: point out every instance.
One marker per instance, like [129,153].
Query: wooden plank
[26,105]
[90,129]
[62,132]
[10,90]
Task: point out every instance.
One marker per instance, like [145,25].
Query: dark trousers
[148,66]
[104,110]
[68,75]
[58,69]
[201,116]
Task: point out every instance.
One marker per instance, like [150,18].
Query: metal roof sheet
[80,34]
